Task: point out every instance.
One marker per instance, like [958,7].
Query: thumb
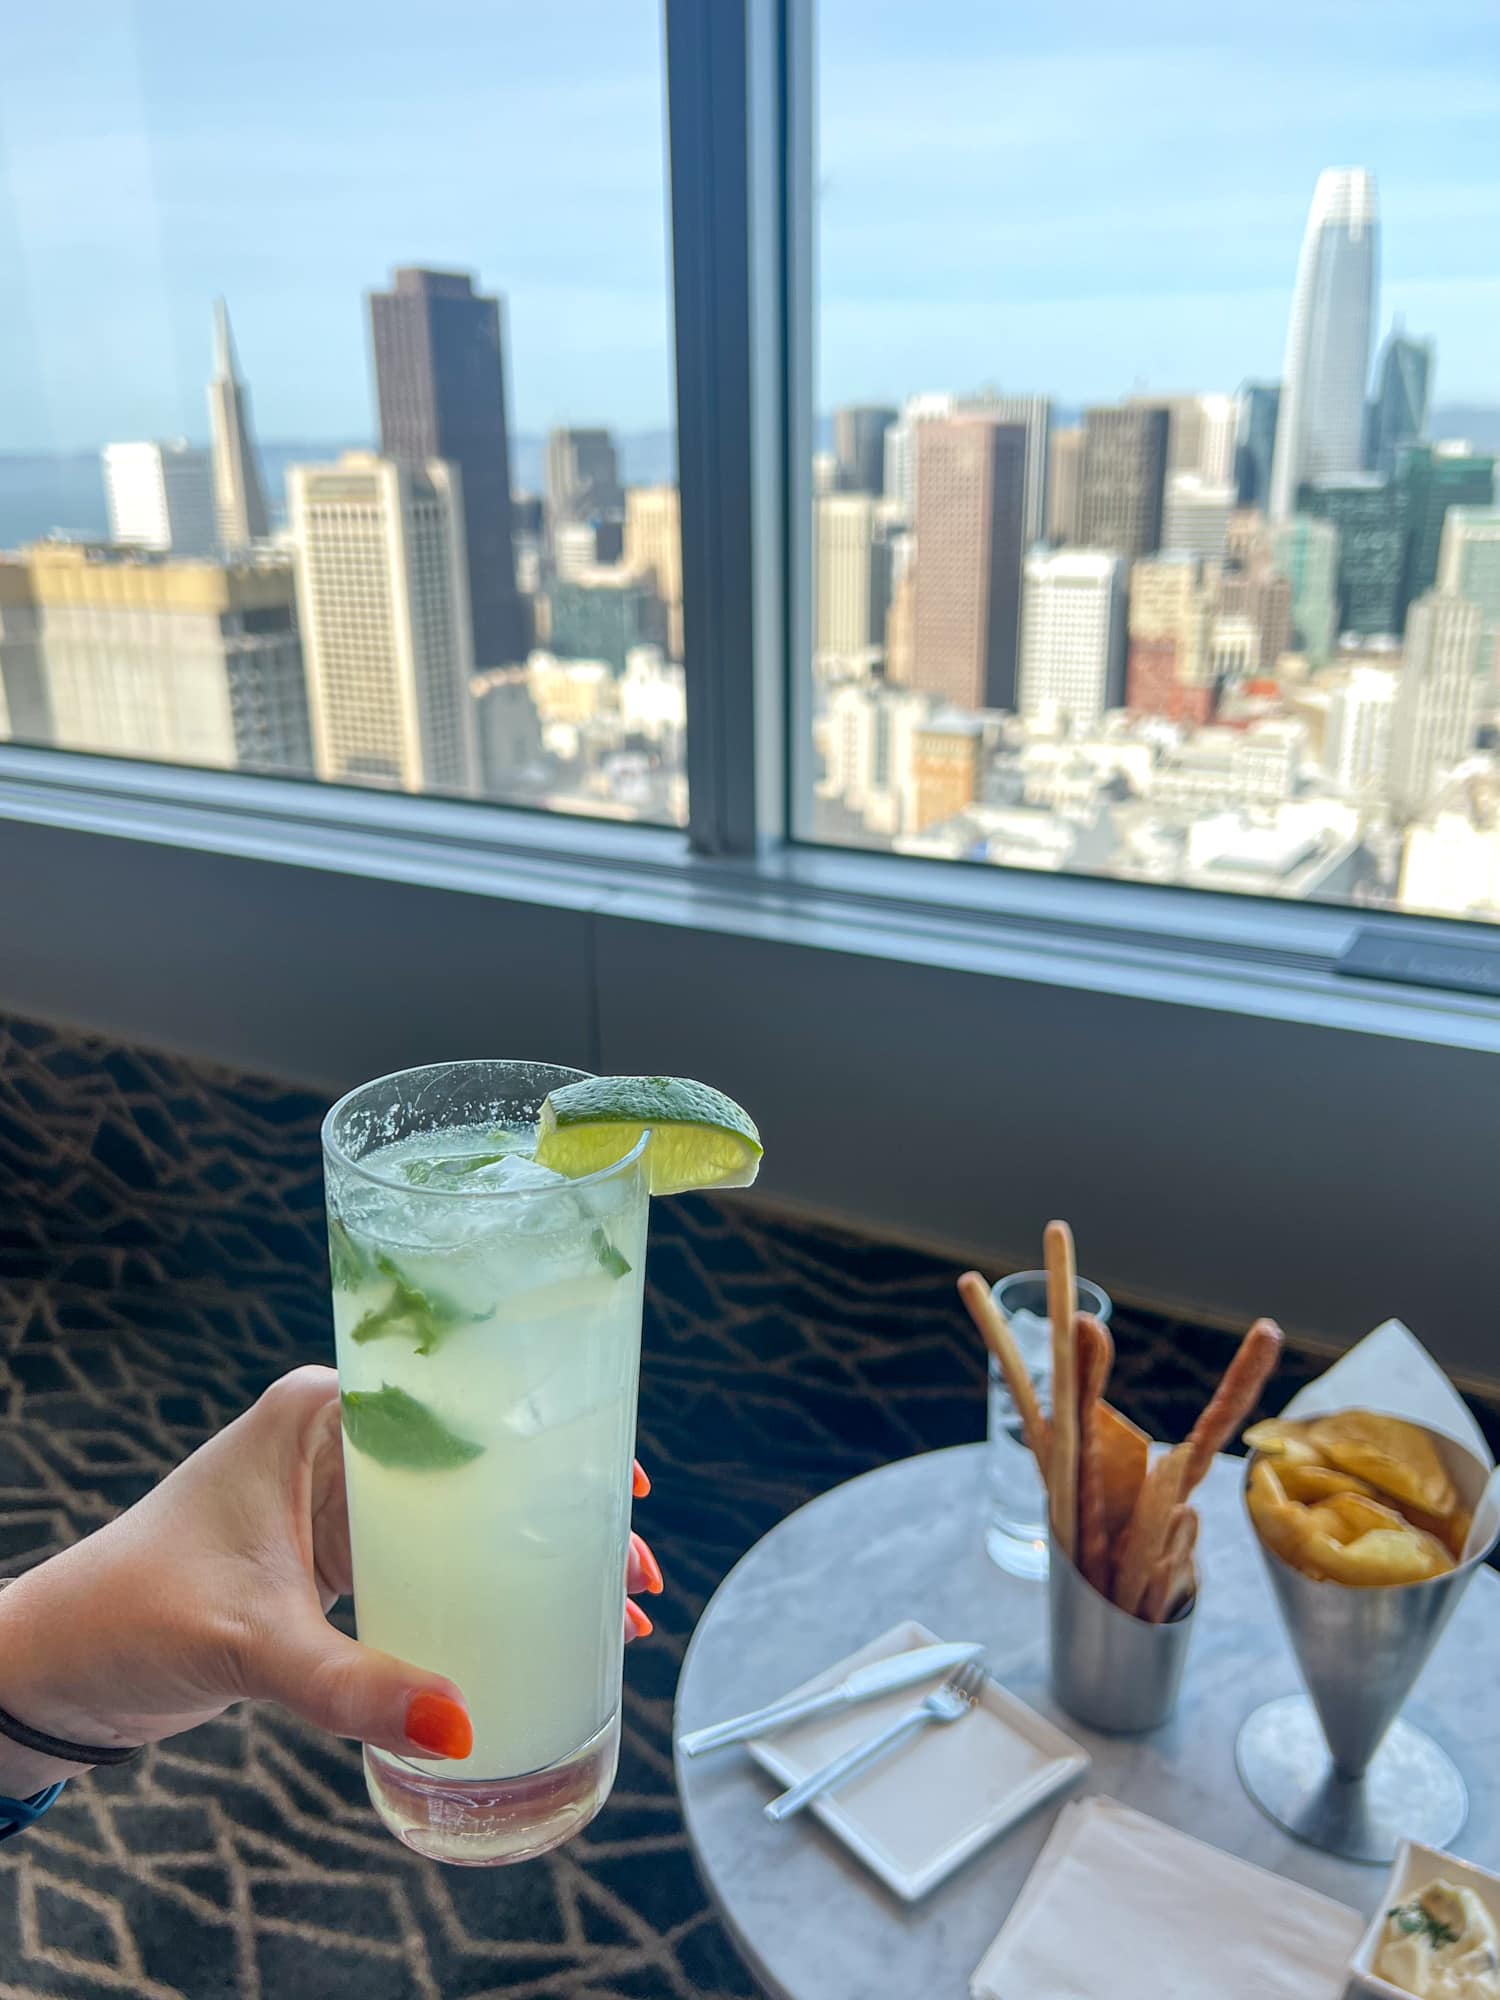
[352,1690]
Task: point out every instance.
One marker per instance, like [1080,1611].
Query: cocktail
[487,1240]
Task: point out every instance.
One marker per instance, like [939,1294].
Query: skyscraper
[1255,442]
[1432,724]
[1370,517]
[1195,515]
[653,541]
[440,382]
[971,502]
[384,608]
[1170,621]
[1320,432]
[1357,739]
[1469,566]
[1429,480]
[1073,635]
[583,476]
[853,583]
[1305,551]
[160,497]
[1398,410]
[1064,483]
[859,446]
[1034,414]
[239,499]
[1200,434]
[901,449]
[194,662]
[1123,478]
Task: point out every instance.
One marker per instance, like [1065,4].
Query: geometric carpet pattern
[161,1260]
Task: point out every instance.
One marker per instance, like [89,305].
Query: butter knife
[900,1670]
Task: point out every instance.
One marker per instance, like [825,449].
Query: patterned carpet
[161,1260]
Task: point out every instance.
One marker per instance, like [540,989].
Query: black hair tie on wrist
[60,1747]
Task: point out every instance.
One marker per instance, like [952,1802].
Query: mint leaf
[409,1313]
[395,1429]
[614,1261]
[348,1263]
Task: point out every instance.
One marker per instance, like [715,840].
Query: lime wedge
[699,1137]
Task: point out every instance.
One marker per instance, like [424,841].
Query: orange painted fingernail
[439,1725]
[640,1625]
[650,1565]
[640,1485]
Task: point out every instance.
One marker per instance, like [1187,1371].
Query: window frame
[832,937]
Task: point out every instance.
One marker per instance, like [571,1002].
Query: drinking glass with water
[1015,1499]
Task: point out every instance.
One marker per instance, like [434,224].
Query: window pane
[1156,532]
[335,396]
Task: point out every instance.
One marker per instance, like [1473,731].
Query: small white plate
[919,1812]
[1414,1867]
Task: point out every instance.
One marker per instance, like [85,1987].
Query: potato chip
[1310,1483]
[1395,1457]
[1285,1441]
[1387,1556]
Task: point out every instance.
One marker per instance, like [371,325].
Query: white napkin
[1390,1371]
[1121,1907]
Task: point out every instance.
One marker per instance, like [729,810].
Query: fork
[954,1698]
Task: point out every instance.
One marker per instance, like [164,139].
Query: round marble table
[906,1542]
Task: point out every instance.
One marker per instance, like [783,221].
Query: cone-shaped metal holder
[1359,1651]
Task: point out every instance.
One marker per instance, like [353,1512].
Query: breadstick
[1161,1590]
[1186,1583]
[1231,1403]
[1062,1298]
[1143,1541]
[1096,1354]
[998,1338]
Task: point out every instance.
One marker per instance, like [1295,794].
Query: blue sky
[1086,199]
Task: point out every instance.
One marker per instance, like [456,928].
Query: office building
[859,432]
[1257,591]
[868,755]
[575,549]
[1064,484]
[1034,415]
[852,584]
[1255,442]
[1195,515]
[1200,434]
[1369,515]
[512,761]
[1469,566]
[1169,668]
[189,661]
[160,497]
[947,761]
[1436,706]
[1357,736]
[970,525]
[653,545]
[901,449]
[1073,636]
[239,497]
[1429,480]
[440,384]
[901,630]
[1123,479]
[603,614]
[1398,410]
[1320,428]
[383,598]
[25,712]
[583,476]
[1305,550]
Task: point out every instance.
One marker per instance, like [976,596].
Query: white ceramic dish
[917,1814]
[1414,1867]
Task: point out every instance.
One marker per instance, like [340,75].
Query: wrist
[40,1646]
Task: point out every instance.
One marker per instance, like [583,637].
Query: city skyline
[1128,273]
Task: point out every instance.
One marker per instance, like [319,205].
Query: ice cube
[513,1173]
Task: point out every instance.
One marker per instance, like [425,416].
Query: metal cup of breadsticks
[1123,1580]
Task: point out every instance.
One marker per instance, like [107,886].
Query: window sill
[1232,1126]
